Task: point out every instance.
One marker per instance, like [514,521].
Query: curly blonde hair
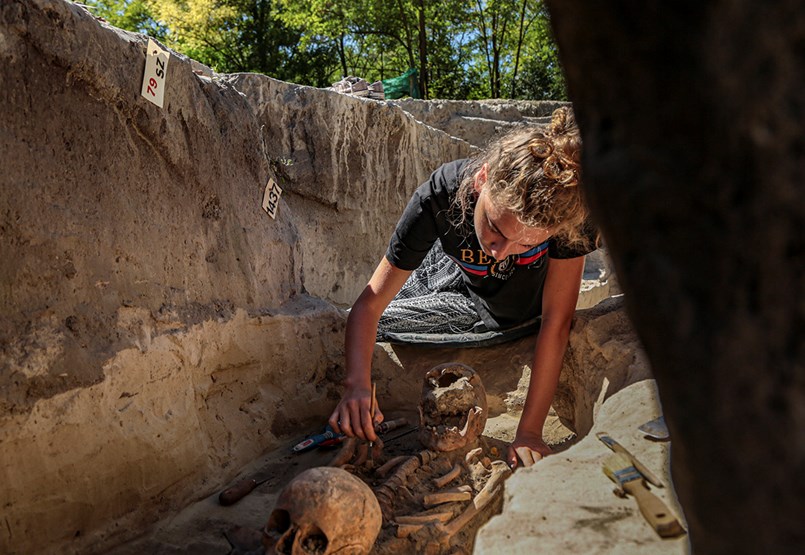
[535,174]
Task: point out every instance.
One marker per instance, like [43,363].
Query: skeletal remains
[323,511]
[328,510]
[452,409]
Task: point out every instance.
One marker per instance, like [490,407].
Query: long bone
[424,518]
[362,454]
[407,525]
[376,449]
[461,493]
[500,471]
[346,452]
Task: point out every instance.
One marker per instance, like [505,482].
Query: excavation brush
[629,481]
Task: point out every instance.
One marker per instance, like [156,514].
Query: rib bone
[386,491]
[389,465]
[447,478]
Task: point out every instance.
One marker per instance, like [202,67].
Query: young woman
[498,245]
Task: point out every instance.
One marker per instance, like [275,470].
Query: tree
[461,50]
[228,35]
[542,77]
[132,15]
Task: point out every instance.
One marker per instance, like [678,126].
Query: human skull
[323,511]
[452,409]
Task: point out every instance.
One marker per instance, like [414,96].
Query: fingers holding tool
[369,426]
[353,417]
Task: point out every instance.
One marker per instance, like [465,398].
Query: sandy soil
[200,528]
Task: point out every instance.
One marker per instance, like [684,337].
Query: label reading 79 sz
[156,67]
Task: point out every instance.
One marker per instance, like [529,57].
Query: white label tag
[156,67]
[271,198]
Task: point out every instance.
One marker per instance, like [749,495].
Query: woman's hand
[526,449]
[351,416]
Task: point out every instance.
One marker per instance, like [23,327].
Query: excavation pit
[164,337]
[207,527]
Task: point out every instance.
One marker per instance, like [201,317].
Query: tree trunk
[423,52]
[342,56]
[485,37]
[260,48]
[408,40]
[520,37]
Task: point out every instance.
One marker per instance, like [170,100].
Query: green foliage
[541,76]
[132,15]
[462,49]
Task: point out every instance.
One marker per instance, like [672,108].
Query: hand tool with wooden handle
[390,425]
[372,410]
[641,468]
[621,471]
[240,490]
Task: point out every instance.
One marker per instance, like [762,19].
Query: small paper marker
[156,68]
[271,198]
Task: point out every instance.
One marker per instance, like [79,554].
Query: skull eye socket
[314,542]
[278,523]
[446,379]
[276,531]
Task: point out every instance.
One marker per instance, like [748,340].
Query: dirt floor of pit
[199,528]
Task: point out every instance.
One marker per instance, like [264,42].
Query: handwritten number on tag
[156,69]
[271,198]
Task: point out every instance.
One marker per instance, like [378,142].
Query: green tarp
[406,84]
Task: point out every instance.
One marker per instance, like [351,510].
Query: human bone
[389,490]
[445,479]
[453,408]
[355,453]
[460,493]
[492,488]
[390,465]
[323,511]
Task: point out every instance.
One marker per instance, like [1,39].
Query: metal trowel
[656,429]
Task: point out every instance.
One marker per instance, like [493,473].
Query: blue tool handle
[316,440]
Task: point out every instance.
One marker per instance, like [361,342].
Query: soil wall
[158,329]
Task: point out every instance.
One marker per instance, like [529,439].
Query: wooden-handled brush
[621,470]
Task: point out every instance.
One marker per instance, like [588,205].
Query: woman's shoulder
[584,242]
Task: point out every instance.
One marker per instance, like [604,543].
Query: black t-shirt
[506,292]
